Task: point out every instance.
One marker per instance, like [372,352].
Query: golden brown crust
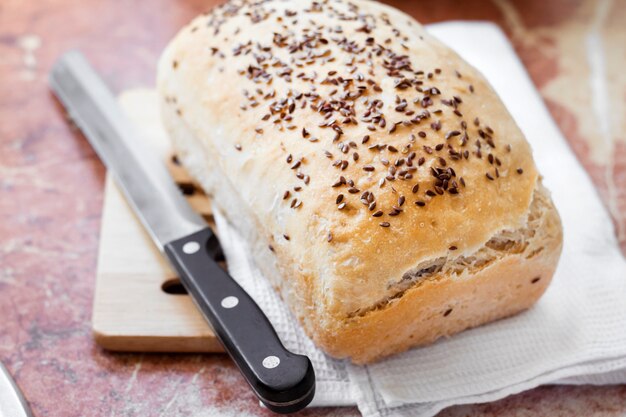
[440,308]
[445,304]
[367,73]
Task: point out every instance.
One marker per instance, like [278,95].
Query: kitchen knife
[12,402]
[283,381]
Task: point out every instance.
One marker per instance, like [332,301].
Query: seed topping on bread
[387,125]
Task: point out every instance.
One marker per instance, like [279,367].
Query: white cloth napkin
[576,333]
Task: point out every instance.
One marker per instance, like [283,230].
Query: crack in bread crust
[500,245]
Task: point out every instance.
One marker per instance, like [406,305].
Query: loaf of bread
[381,184]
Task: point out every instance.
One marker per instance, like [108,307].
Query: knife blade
[12,402]
[283,381]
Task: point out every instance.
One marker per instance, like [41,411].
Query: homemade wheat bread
[383,187]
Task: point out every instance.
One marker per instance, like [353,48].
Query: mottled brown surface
[51,187]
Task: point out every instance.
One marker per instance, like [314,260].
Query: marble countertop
[51,189]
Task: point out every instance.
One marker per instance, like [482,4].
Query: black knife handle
[283,381]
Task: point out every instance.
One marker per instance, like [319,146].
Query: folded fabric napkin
[575,334]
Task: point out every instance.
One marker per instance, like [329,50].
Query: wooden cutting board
[139,303]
